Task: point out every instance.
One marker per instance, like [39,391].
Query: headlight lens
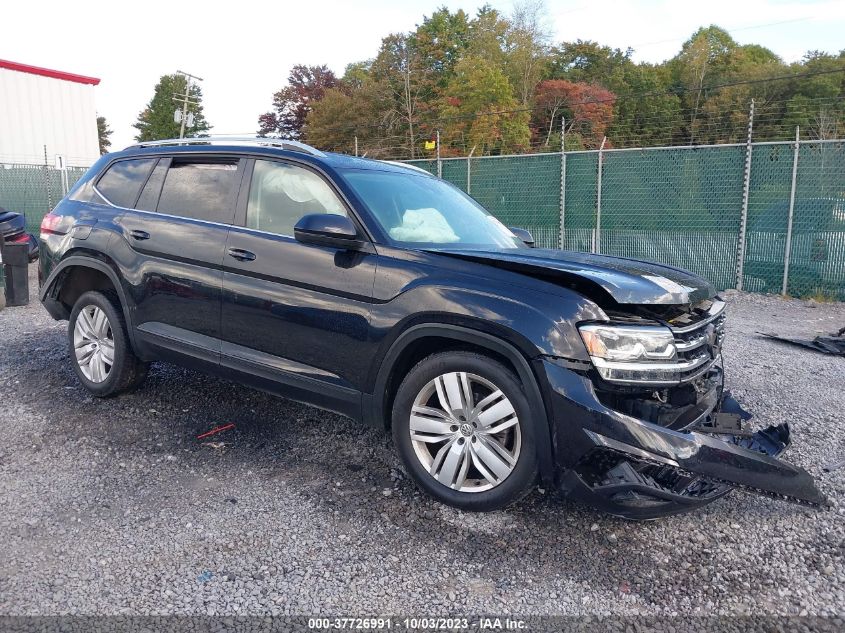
[637,355]
[625,343]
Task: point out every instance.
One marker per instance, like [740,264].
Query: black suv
[381,292]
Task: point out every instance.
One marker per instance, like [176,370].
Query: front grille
[701,342]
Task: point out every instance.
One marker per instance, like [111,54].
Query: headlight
[639,355]
[629,343]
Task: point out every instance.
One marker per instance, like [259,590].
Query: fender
[374,405]
[49,291]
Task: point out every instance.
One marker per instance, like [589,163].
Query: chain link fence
[683,206]
[33,190]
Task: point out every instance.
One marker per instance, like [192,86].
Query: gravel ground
[114,507]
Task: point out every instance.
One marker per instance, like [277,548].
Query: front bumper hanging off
[637,469]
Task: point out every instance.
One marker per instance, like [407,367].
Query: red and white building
[41,107]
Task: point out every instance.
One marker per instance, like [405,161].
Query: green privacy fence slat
[521,191]
[33,190]
[675,206]
[681,206]
[455,171]
[817,257]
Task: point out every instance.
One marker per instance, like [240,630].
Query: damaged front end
[666,438]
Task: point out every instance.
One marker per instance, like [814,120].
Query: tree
[291,104]
[405,82]
[440,42]
[708,57]
[527,45]
[103,134]
[588,109]
[341,116]
[487,38]
[645,111]
[480,112]
[817,104]
[156,120]
[589,62]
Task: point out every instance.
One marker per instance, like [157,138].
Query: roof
[331,159]
[46,72]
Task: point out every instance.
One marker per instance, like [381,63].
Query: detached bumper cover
[636,469]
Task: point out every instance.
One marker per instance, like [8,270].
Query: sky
[244,50]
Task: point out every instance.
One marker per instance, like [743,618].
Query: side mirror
[524,235]
[327,229]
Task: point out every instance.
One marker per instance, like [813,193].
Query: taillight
[23,237]
[50,224]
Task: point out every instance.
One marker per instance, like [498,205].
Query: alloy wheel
[93,343]
[465,432]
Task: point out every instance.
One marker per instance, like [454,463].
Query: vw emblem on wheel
[466,429]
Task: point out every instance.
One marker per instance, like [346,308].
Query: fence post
[787,253]
[439,162]
[356,146]
[47,186]
[562,237]
[743,221]
[597,242]
[469,170]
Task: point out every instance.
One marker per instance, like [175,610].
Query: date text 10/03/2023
[418,623]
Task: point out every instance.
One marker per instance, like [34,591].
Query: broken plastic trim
[748,463]
[833,344]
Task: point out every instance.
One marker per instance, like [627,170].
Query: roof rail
[399,163]
[295,146]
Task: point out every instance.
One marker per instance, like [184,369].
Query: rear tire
[99,346]
[463,428]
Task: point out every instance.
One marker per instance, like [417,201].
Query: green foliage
[483,81]
[291,105]
[103,134]
[478,111]
[156,121]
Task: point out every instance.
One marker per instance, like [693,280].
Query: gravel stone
[114,507]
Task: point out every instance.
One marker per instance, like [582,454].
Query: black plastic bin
[16,267]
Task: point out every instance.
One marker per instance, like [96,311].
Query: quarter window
[203,190]
[149,195]
[123,180]
[281,193]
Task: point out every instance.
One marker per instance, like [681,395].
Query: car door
[295,317]
[174,246]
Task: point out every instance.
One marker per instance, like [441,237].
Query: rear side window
[122,181]
[204,190]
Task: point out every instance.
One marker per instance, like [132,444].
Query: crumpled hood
[628,281]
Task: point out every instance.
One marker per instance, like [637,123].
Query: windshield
[425,212]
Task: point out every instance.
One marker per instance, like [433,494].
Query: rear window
[122,182]
[204,190]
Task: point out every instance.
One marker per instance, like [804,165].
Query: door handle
[139,235]
[241,255]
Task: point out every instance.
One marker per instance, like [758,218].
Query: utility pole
[185,99]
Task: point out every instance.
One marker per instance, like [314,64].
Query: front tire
[462,427]
[99,346]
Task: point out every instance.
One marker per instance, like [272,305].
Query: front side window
[203,190]
[122,181]
[417,209]
[281,193]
